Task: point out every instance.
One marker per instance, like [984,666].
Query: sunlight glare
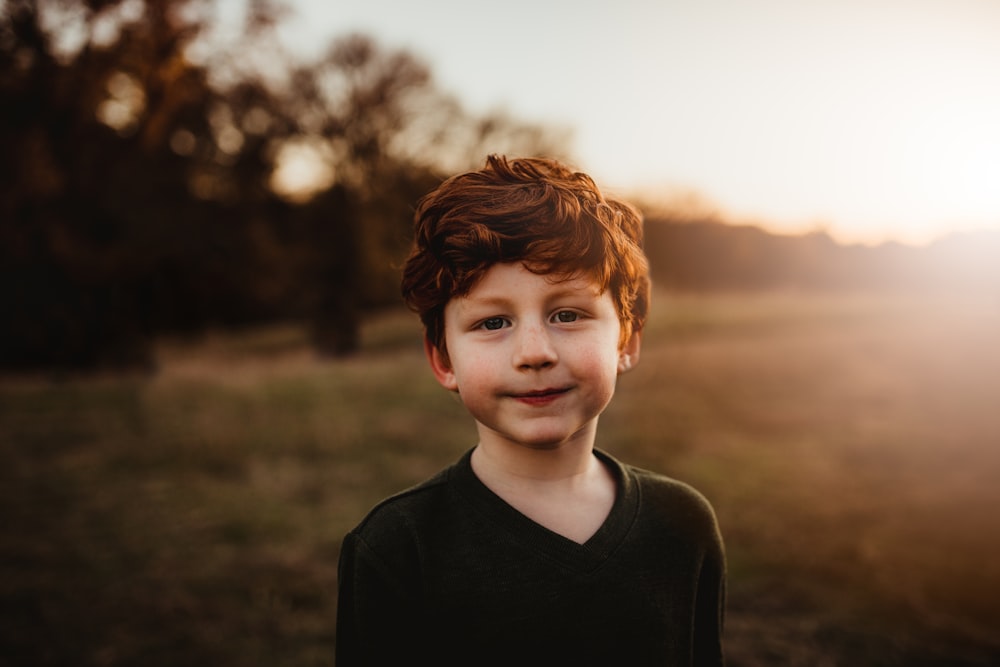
[303,169]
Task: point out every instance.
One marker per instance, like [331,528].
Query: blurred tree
[387,136]
[153,179]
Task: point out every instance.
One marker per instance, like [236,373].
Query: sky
[874,120]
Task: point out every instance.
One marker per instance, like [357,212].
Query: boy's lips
[540,396]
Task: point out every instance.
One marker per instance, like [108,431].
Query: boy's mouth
[540,396]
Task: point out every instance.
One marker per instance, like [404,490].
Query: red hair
[530,210]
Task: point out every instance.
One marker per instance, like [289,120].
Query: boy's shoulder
[668,487]
[399,530]
[406,506]
[672,502]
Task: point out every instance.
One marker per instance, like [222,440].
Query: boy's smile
[533,357]
[542,396]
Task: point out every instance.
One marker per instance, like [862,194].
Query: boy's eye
[493,323]
[565,316]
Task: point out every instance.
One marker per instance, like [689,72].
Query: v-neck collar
[585,557]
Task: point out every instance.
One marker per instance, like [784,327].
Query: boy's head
[535,211]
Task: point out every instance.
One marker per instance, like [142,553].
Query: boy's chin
[540,442]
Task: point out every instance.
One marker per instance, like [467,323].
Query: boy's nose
[534,348]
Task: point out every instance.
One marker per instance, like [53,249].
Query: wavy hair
[531,210]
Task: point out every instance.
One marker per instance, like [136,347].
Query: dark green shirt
[447,573]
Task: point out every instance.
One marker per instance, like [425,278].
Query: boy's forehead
[510,282]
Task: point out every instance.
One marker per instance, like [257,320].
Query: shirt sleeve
[375,614]
[710,607]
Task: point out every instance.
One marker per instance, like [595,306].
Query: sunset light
[873,120]
[308,356]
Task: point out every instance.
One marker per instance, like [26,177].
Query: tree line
[144,176]
[703,252]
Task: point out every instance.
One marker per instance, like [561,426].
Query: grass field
[850,445]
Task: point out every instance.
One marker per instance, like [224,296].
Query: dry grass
[849,444]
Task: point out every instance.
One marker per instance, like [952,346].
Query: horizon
[659,215]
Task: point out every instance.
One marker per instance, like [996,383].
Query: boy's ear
[628,356]
[440,366]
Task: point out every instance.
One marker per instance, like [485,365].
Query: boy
[535,547]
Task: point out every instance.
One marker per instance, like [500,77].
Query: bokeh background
[206,375]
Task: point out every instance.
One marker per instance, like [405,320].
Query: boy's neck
[565,489]
[526,465]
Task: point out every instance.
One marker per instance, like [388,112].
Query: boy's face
[534,360]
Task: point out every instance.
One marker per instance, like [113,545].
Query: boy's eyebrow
[502,300]
[488,300]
